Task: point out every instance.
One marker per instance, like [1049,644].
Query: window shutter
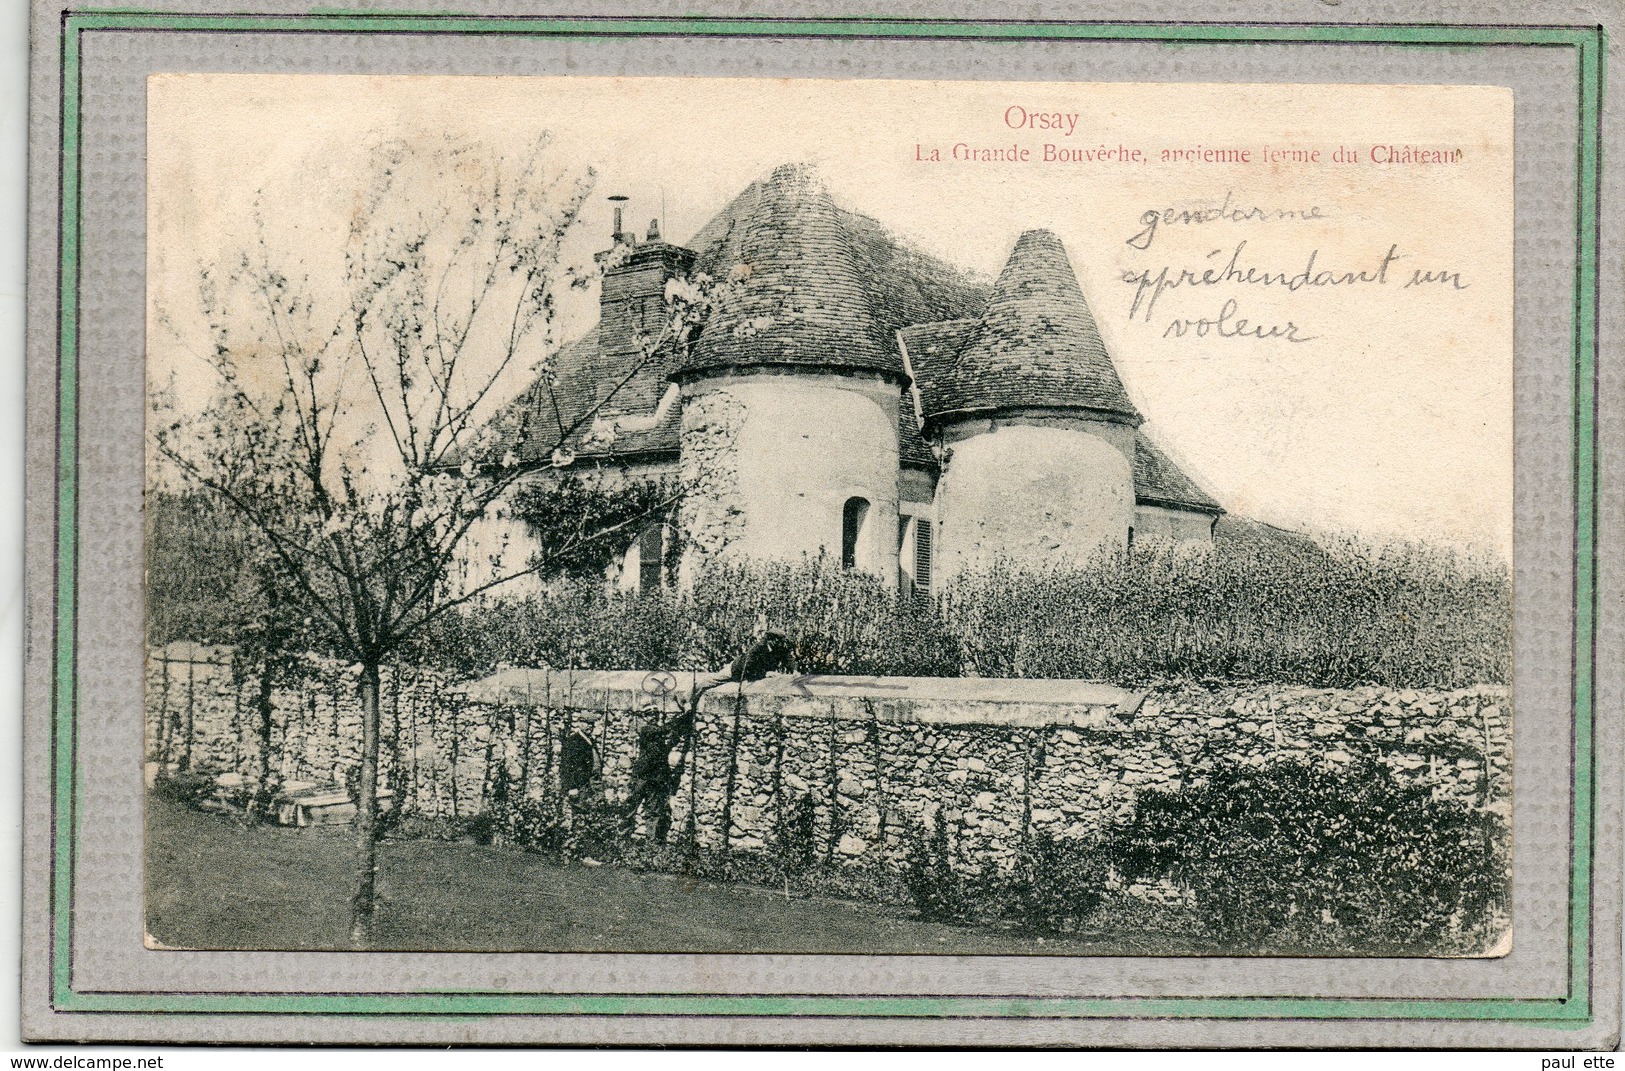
[651,546]
[922,556]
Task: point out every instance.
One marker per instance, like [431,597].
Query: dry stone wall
[877,761]
[204,713]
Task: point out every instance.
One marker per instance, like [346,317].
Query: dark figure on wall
[578,760]
[769,654]
[655,777]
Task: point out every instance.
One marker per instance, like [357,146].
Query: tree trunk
[191,698]
[263,708]
[729,782]
[364,904]
[166,724]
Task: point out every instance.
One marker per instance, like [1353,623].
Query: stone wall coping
[914,699]
[509,684]
[562,687]
[991,701]
[1070,693]
[187,651]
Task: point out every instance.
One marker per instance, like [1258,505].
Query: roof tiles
[825,288]
[1158,481]
[1034,345]
[821,287]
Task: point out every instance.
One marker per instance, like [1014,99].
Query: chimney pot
[619,235]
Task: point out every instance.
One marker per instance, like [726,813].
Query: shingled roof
[583,373]
[1160,482]
[822,287]
[1034,345]
[931,352]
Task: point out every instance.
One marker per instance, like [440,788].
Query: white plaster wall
[797,447]
[622,573]
[497,544]
[914,485]
[1032,493]
[1180,526]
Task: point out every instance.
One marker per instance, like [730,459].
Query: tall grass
[1335,614]
[1341,614]
[841,622]
[576,624]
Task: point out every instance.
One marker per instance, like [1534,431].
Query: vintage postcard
[950,517]
[611,523]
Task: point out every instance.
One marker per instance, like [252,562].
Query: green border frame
[1568,1011]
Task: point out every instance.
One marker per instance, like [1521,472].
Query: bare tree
[355,432]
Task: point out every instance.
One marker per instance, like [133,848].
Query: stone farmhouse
[857,399]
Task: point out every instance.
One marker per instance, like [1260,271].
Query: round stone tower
[791,392]
[1035,430]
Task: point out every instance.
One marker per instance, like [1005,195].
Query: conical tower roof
[1034,346]
[820,287]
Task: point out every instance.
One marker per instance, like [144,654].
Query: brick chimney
[633,299]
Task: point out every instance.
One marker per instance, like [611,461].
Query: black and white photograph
[708,515]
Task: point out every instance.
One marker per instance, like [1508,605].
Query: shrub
[1057,884]
[940,893]
[575,624]
[199,568]
[1339,615]
[1054,885]
[1299,856]
[842,620]
[558,507]
[598,829]
[480,827]
[536,826]
[190,788]
[796,845]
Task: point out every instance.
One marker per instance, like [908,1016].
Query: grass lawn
[214,883]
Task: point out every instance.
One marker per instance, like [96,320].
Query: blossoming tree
[355,430]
